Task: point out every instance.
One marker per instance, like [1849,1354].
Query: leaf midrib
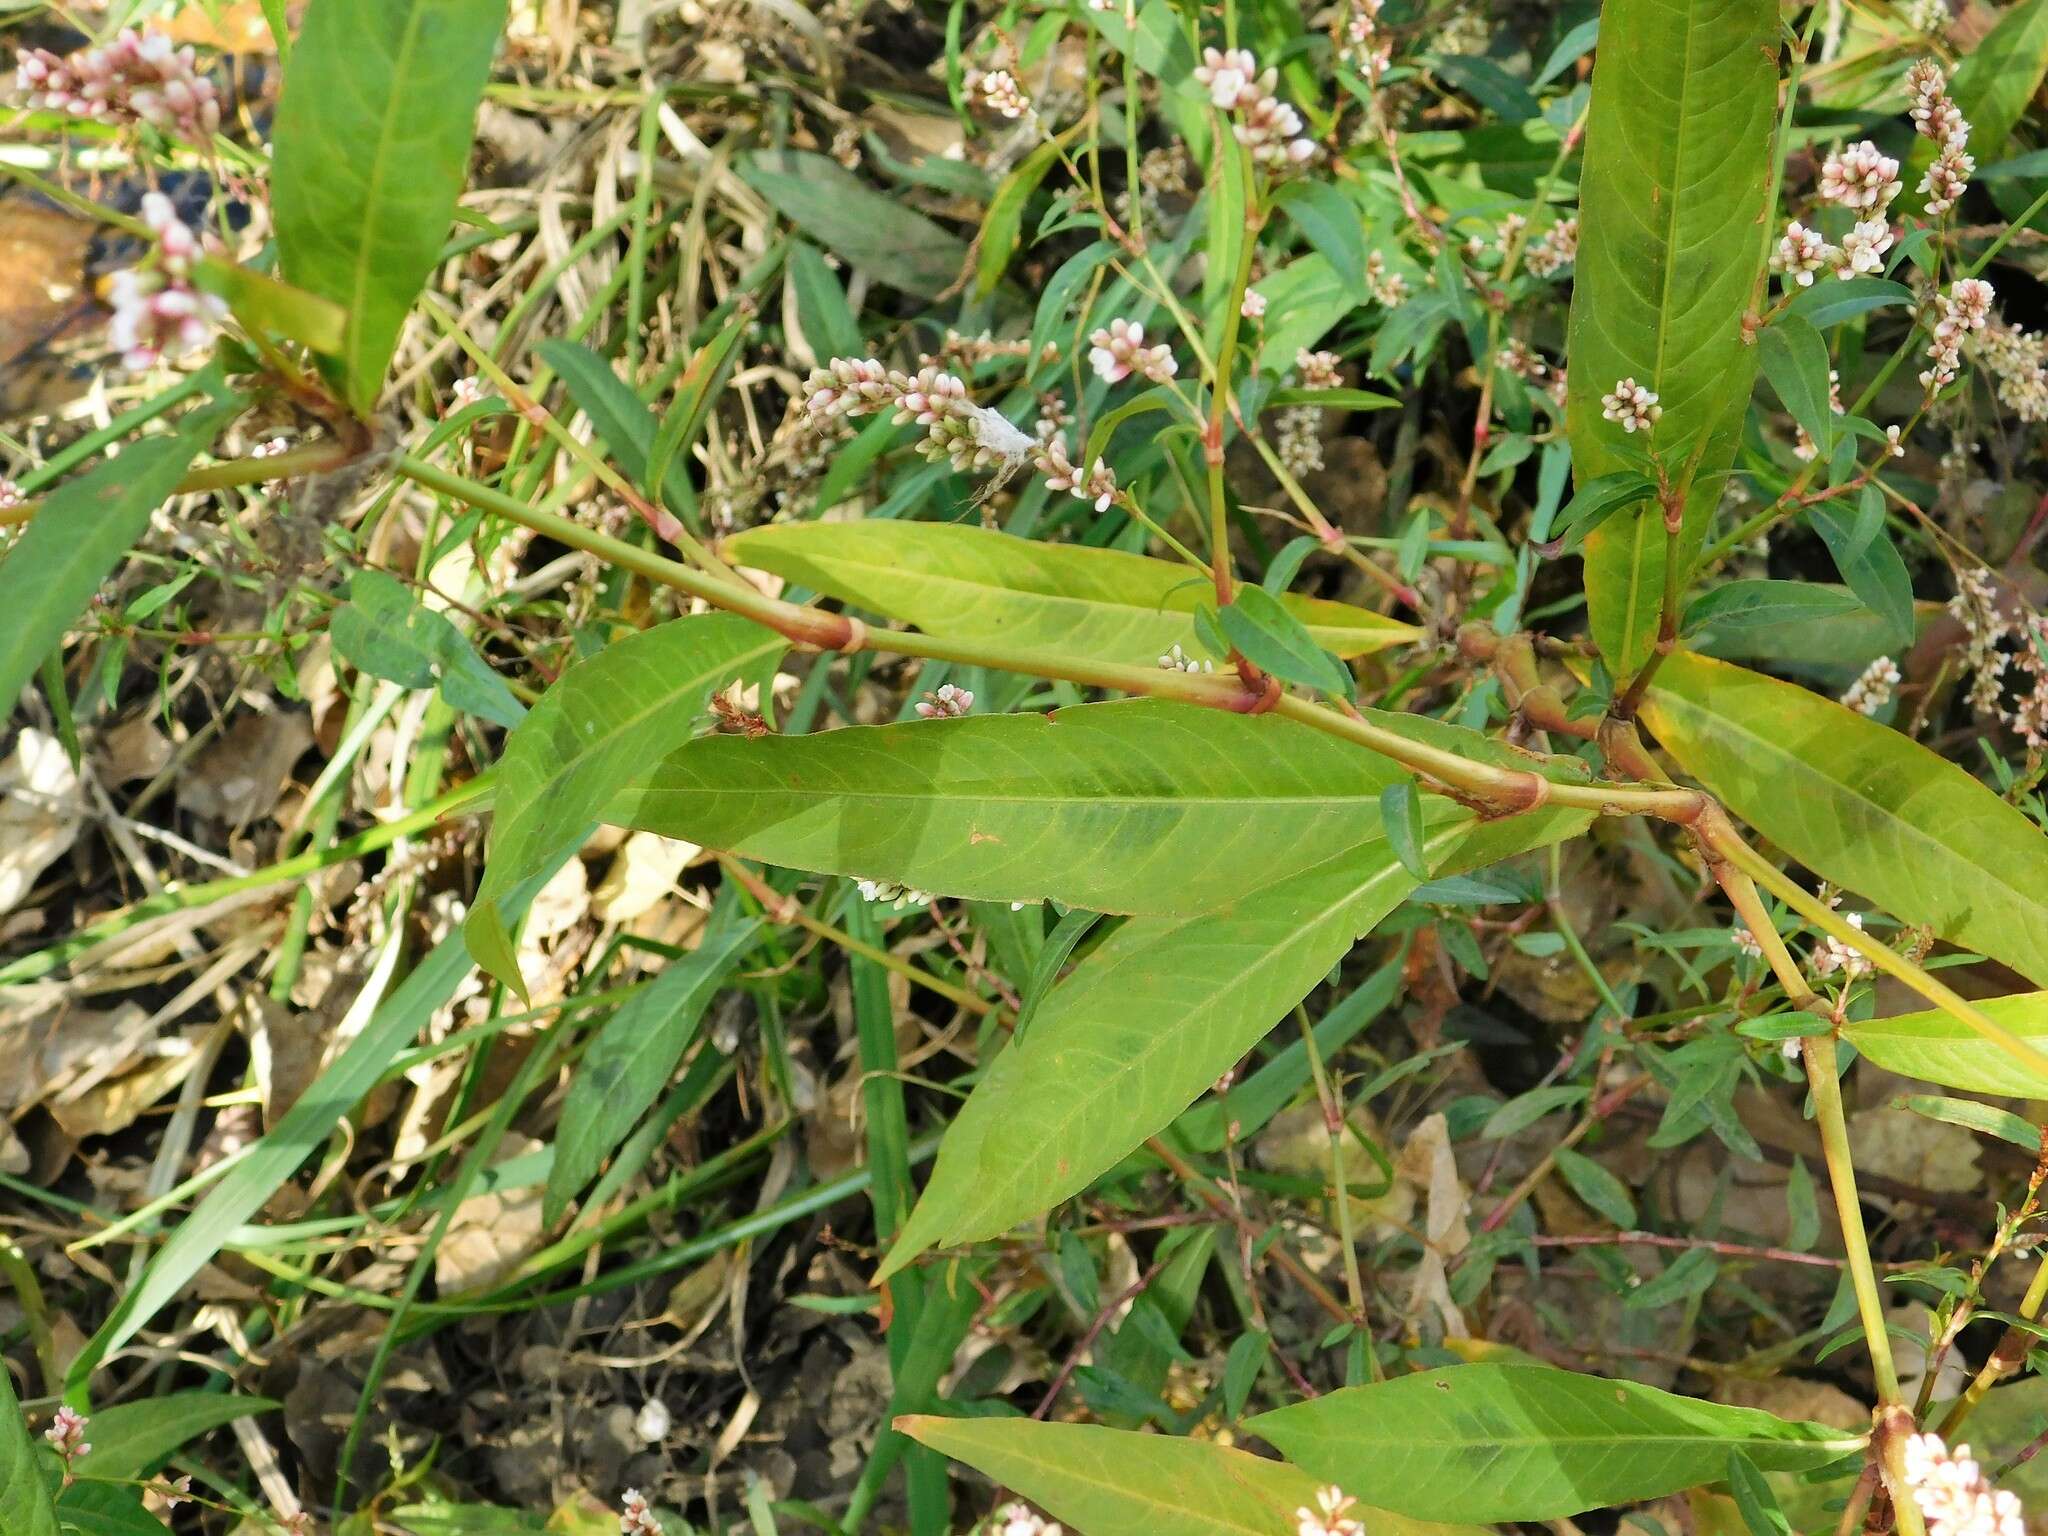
[1735,727]
[609,740]
[1079,1106]
[1367,622]
[363,266]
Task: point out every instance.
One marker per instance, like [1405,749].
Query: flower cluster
[1873,690]
[1861,177]
[1253,305]
[1833,955]
[2018,360]
[1801,253]
[1016,1519]
[1318,369]
[945,703]
[1118,350]
[971,436]
[889,894]
[1632,405]
[1937,117]
[1002,93]
[1954,1495]
[157,311]
[1298,439]
[1387,286]
[1966,307]
[1331,1516]
[11,495]
[1178,660]
[1266,125]
[1555,249]
[139,77]
[635,1518]
[66,1434]
[1362,47]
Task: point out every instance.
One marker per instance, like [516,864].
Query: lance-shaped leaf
[1671,209]
[974,584]
[1142,806]
[1528,1442]
[1862,805]
[634,1055]
[602,722]
[1118,1482]
[79,535]
[24,1496]
[1136,1033]
[372,148]
[1942,1049]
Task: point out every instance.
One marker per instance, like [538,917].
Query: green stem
[1819,1054]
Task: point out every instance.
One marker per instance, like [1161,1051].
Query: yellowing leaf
[974,584]
[1141,806]
[1942,1049]
[1117,1482]
[1862,805]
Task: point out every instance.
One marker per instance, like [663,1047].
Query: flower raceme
[1954,1495]
[970,436]
[139,77]
[157,311]
[1330,1517]
[1118,350]
[1266,125]
[1632,405]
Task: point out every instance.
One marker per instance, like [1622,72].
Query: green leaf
[1593,503]
[696,392]
[633,1056]
[1801,1206]
[1691,1274]
[77,537]
[1795,360]
[1672,205]
[267,307]
[1868,560]
[1994,82]
[604,720]
[1601,1190]
[134,1439]
[384,631]
[1982,1118]
[1739,606]
[1939,1048]
[1334,399]
[1830,303]
[1004,224]
[1401,817]
[105,1509]
[974,584]
[1136,1033]
[1754,1500]
[1526,1442]
[1862,805]
[1142,806]
[242,1191]
[1117,1482]
[371,152]
[1258,624]
[25,1508]
[828,322]
[1330,221]
[893,243]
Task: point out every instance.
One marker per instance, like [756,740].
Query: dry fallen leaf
[644,871]
[490,1233]
[41,810]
